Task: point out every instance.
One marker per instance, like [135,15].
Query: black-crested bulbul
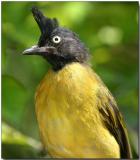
[77,115]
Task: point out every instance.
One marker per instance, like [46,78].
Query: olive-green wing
[113,120]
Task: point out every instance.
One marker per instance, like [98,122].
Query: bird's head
[59,46]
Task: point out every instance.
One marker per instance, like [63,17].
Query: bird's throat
[58,62]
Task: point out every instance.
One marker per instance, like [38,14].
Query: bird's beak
[36,50]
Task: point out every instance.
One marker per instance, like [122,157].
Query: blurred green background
[109,30]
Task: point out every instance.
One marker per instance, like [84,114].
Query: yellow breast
[68,117]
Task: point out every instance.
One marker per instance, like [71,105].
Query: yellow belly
[68,116]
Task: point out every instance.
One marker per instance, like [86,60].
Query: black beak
[35,50]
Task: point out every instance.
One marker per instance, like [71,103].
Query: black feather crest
[46,25]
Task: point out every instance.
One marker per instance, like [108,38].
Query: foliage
[110,31]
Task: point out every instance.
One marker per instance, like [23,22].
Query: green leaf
[14,96]
[17,145]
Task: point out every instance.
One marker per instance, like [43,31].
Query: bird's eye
[56,39]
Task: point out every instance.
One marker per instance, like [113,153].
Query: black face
[57,45]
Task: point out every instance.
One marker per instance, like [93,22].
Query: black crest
[45,24]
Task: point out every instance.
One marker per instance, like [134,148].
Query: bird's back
[70,116]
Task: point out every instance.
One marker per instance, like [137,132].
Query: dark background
[109,30]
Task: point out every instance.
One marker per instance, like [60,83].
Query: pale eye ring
[56,39]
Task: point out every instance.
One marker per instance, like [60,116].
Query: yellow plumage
[69,117]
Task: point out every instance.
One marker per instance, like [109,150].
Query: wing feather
[113,120]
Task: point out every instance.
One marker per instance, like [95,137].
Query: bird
[77,115]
